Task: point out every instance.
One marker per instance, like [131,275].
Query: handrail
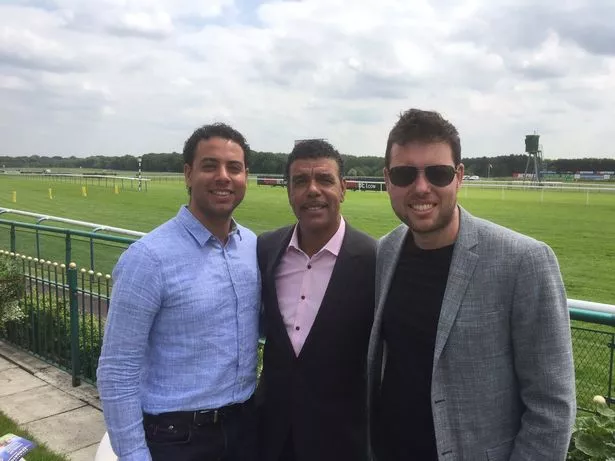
[60,230]
[591,306]
[542,186]
[97,227]
[600,318]
[75,175]
[588,311]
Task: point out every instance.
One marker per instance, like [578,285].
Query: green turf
[581,234]
[40,453]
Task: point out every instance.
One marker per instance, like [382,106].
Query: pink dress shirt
[301,283]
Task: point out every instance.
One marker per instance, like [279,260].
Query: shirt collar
[333,246]
[198,231]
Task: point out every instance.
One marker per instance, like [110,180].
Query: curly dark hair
[215,130]
[314,148]
[423,126]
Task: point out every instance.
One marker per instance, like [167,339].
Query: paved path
[40,398]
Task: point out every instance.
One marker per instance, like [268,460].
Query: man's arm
[135,301]
[543,358]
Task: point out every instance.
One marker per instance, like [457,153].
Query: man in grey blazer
[470,355]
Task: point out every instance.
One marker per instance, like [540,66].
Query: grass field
[40,453]
[580,230]
[581,234]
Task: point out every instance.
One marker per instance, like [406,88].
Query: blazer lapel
[387,258]
[272,265]
[388,253]
[462,268]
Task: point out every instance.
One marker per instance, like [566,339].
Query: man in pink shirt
[318,297]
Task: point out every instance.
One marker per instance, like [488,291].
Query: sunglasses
[438,175]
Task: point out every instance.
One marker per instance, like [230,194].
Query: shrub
[11,289]
[45,330]
[593,436]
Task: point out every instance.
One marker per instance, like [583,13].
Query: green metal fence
[65,307]
[593,358]
[88,248]
[63,311]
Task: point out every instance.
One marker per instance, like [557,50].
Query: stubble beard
[213,213]
[441,222]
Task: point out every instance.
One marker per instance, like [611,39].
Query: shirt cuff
[142,454]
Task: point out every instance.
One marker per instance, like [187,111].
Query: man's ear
[387,181]
[459,173]
[187,180]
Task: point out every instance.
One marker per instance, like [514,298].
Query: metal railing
[122,182]
[62,311]
[67,245]
[65,309]
[593,344]
[95,227]
[599,187]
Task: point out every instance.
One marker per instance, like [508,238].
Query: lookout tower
[533,150]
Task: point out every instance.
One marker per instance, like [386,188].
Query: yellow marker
[117,189]
[84,191]
[50,194]
[14,196]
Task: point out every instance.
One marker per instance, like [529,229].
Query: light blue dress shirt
[182,328]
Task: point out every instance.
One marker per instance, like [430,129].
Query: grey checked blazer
[503,375]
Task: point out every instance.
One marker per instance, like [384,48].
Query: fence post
[38,244]
[609,397]
[67,256]
[74,323]
[92,253]
[13,238]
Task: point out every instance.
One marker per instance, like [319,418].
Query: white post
[139,174]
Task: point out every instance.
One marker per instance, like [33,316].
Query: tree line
[274,163]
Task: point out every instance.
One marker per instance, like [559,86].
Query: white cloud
[155,24]
[135,76]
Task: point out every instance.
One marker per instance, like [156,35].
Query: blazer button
[302,297]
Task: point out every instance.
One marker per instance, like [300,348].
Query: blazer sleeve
[261,254]
[543,359]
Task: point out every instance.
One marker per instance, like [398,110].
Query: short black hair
[314,148]
[423,126]
[215,130]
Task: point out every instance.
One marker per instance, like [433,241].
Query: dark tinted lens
[402,176]
[440,175]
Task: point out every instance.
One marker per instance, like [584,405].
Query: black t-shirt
[411,314]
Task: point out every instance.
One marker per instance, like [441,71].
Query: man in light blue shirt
[178,364]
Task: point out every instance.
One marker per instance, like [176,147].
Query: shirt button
[309,266]
[297,328]
[302,297]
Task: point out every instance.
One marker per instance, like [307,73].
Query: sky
[117,77]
